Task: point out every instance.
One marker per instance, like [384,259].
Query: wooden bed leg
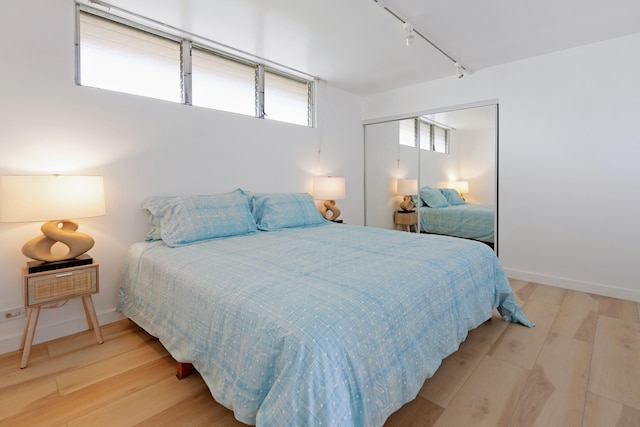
[184,369]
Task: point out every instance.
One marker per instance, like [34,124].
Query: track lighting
[408,30]
[411,32]
[460,70]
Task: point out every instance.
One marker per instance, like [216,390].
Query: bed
[443,211]
[293,320]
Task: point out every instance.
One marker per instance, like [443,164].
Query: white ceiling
[358,46]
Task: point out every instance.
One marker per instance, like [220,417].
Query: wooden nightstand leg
[29,333]
[26,328]
[92,319]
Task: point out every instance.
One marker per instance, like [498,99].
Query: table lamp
[407,188]
[329,188]
[461,187]
[54,199]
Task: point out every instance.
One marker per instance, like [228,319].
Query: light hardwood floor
[580,366]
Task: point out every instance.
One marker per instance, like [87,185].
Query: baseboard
[50,332]
[594,288]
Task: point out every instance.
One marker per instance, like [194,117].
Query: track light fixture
[409,37]
[460,70]
[410,33]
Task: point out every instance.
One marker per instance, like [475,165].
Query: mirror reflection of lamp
[407,188]
[54,199]
[462,187]
[329,189]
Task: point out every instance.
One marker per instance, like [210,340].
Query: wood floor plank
[522,290]
[419,412]
[47,366]
[600,411]
[456,369]
[85,376]
[577,316]
[20,397]
[56,410]
[81,340]
[520,345]
[619,309]
[200,410]
[556,388]
[142,404]
[488,397]
[615,370]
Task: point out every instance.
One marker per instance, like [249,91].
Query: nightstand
[49,287]
[406,220]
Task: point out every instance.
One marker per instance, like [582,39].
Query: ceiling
[358,46]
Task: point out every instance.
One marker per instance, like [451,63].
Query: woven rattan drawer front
[61,285]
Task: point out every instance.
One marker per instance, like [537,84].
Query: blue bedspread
[333,325]
[469,221]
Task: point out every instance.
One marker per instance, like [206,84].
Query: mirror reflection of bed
[445,211]
[471,159]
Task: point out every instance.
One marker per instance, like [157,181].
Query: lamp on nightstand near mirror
[462,187]
[54,199]
[329,189]
[407,188]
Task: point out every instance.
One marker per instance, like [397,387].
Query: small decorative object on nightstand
[55,285]
[407,188]
[406,220]
[329,188]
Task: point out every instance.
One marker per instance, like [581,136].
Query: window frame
[187,43]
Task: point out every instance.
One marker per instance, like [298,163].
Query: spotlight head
[408,30]
[460,70]
[410,39]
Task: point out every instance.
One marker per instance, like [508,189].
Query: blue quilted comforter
[333,325]
[468,220]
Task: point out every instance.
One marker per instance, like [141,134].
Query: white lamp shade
[328,188]
[407,187]
[461,187]
[50,197]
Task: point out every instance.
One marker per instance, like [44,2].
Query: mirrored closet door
[439,150]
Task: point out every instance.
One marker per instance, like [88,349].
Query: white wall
[477,162]
[386,161]
[143,147]
[568,173]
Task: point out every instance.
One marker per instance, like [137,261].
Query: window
[222,83]
[408,132]
[138,60]
[286,99]
[125,59]
[431,136]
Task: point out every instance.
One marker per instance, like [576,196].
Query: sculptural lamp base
[61,231]
[329,210]
[407,204]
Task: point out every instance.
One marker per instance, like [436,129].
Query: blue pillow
[189,219]
[276,211]
[152,205]
[433,198]
[452,196]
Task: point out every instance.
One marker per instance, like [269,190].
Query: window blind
[286,99]
[408,132]
[124,59]
[440,140]
[222,83]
